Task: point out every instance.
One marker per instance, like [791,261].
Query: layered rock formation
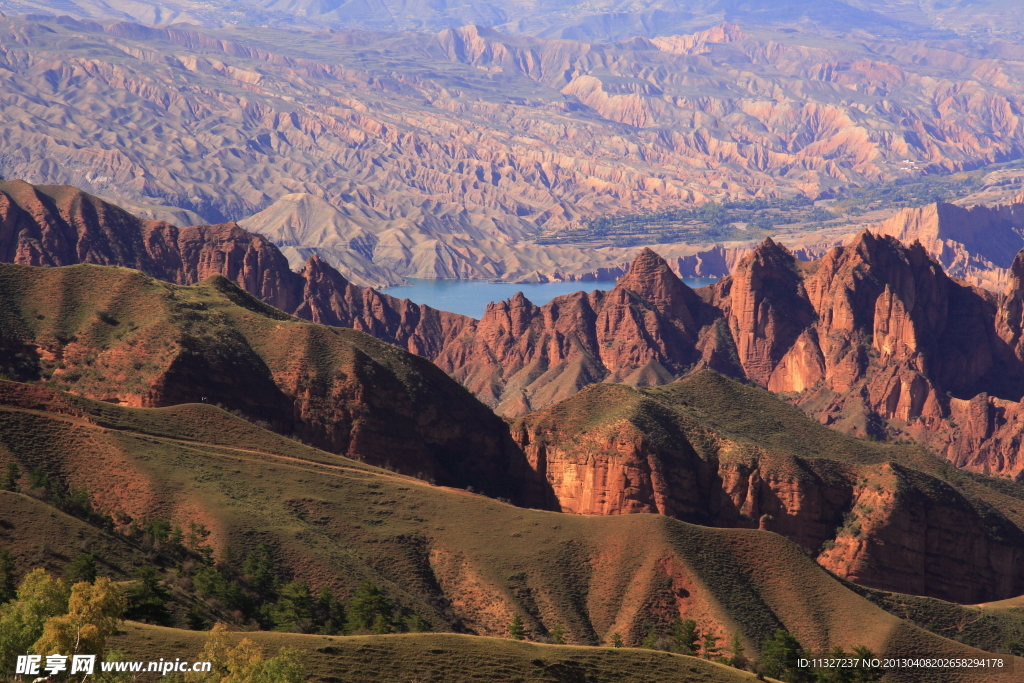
[477,134]
[713,452]
[873,338]
[60,226]
[974,244]
[648,330]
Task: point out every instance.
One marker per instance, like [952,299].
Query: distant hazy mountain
[600,19]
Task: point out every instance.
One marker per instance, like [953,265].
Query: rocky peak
[768,308]
[650,277]
[1016,285]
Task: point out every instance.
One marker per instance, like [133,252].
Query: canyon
[867,340]
[872,339]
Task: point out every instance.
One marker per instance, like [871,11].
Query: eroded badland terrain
[209,414]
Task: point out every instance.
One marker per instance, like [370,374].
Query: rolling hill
[117,335]
[712,451]
[466,562]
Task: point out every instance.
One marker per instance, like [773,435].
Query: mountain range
[873,339]
[136,352]
[607,20]
[450,154]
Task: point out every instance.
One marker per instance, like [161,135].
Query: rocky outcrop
[648,330]
[60,225]
[686,452]
[976,244]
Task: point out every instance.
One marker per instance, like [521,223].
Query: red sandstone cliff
[714,452]
[974,244]
[648,330]
[873,338]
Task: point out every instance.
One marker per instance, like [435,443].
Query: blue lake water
[470,297]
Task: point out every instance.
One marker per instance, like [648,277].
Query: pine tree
[835,674]
[711,649]
[147,599]
[779,657]
[8,587]
[261,573]
[82,568]
[293,610]
[686,637]
[651,639]
[738,659]
[558,635]
[616,639]
[329,613]
[866,674]
[369,609]
[11,476]
[196,620]
[382,625]
[516,630]
[415,624]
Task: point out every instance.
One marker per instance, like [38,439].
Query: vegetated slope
[995,626]
[451,658]
[120,336]
[40,536]
[712,451]
[461,560]
[481,136]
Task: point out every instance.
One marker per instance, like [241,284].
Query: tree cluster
[780,656]
[255,591]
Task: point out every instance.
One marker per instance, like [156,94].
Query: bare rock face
[875,338]
[687,451]
[60,225]
[645,331]
[976,244]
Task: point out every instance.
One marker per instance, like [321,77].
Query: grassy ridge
[464,561]
[119,336]
[449,658]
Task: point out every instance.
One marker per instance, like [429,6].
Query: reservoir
[470,297]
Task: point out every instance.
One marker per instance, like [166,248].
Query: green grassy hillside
[463,561]
[448,658]
[122,337]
